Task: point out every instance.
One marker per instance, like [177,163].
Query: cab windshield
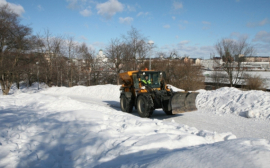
[151,78]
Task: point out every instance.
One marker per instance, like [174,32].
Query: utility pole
[151,45]
[61,78]
[38,74]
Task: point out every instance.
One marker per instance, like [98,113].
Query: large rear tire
[145,106]
[168,112]
[126,104]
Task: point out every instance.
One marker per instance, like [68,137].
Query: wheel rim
[123,103]
[142,106]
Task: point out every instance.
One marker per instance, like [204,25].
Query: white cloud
[83,38]
[184,42]
[83,6]
[191,50]
[263,22]
[183,24]
[86,12]
[182,27]
[73,4]
[97,45]
[18,9]
[173,17]
[131,8]
[259,23]
[126,20]
[166,26]
[262,36]
[176,37]
[40,8]
[109,8]
[238,35]
[185,21]
[177,5]
[262,49]
[142,14]
[206,25]
[86,25]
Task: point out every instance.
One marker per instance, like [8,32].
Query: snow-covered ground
[263,74]
[84,127]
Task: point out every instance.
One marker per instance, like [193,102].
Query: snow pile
[175,89]
[24,89]
[265,75]
[109,92]
[251,104]
[50,129]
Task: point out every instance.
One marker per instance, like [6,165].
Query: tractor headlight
[143,87]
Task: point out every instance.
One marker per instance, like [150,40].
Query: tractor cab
[147,78]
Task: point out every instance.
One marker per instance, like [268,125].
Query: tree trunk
[89,79]
[70,84]
[5,86]
[18,81]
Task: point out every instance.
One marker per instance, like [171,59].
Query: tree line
[61,61]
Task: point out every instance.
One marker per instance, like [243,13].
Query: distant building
[195,61]
[212,64]
[101,57]
[257,58]
[103,62]
[48,55]
[256,65]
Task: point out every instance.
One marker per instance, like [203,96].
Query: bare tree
[87,55]
[115,53]
[218,77]
[187,76]
[71,54]
[173,54]
[233,54]
[136,47]
[14,40]
[255,82]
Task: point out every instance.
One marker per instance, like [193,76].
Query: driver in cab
[146,80]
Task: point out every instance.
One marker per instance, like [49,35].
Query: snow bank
[99,91]
[175,89]
[36,87]
[251,104]
[42,130]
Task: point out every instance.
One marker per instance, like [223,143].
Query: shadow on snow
[157,114]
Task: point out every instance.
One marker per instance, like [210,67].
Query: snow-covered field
[84,127]
[263,74]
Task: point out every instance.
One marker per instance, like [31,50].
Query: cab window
[136,81]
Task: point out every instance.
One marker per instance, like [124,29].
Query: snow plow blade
[183,102]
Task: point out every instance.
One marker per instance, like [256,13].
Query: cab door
[136,83]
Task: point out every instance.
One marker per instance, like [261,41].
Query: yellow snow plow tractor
[146,91]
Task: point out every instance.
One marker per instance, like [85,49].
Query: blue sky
[191,27]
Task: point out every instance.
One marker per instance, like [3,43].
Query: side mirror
[162,74]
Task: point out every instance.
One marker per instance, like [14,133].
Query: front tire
[166,106]
[145,106]
[126,104]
